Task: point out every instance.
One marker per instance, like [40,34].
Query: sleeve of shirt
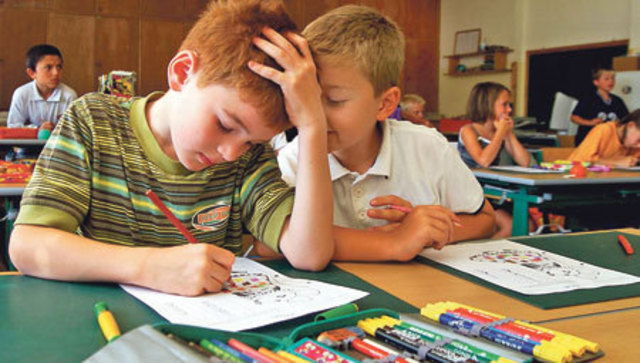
[266,199]
[588,148]
[58,194]
[459,188]
[17,116]
[288,162]
[580,109]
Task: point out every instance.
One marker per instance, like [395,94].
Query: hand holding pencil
[188,269]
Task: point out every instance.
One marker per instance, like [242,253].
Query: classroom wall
[97,36]
[529,25]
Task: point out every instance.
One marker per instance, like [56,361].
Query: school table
[614,188]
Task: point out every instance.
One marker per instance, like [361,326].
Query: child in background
[377,162]
[600,106]
[412,109]
[489,138]
[45,98]
[202,147]
[612,143]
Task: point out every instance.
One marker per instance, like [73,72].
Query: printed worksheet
[255,296]
[526,269]
[522,169]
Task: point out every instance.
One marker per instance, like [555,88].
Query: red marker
[625,244]
[173,219]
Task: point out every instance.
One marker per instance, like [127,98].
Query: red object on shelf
[452,125]
[18,133]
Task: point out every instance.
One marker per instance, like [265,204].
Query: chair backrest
[551,154]
[563,105]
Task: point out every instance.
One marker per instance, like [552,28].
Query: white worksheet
[527,270]
[255,296]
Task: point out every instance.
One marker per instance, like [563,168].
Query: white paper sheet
[525,269]
[256,297]
[522,169]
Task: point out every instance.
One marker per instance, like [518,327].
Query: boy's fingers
[266,72]
[275,52]
[388,200]
[391,215]
[385,228]
[279,40]
[300,42]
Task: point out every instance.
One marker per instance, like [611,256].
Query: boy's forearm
[362,245]
[475,226]
[56,254]
[307,241]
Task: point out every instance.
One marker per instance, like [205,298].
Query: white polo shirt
[28,106]
[415,163]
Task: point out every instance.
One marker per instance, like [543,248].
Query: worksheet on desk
[527,270]
[255,296]
[523,169]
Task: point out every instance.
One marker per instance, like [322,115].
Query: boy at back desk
[376,163]
[201,147]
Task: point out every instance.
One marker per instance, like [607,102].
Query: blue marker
[543,349]
[232,351]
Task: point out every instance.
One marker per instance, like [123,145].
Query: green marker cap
[337,312]
[99,307]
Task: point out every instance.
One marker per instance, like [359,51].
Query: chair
[563,105]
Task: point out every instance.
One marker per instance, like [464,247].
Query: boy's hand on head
[390,214]
[298,80]
[425,226]
[191,269]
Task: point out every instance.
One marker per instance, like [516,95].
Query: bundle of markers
[382,339]
[542,343]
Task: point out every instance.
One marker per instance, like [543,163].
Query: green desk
[615,189]
[49,321]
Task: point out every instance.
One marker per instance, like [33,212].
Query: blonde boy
[201,147]
[599,106]
[376,163]
[412,109]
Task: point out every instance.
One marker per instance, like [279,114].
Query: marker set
[378,335]
[543,344]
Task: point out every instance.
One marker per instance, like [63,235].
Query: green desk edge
[599,249]
[43,320]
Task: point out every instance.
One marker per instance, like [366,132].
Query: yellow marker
[106,321]
[292,358]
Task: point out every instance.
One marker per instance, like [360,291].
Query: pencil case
[18,133]
[177,349]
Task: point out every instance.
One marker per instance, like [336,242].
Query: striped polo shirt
[92,176]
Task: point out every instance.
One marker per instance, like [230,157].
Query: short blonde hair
[222,38]
[363,36]
[597,73]
[482,99]
[411,99]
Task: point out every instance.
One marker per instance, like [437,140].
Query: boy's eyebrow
[237,120]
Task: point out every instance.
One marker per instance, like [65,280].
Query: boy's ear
[31,73]
[181,68]
[388,103]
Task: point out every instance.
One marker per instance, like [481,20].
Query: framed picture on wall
[467,41]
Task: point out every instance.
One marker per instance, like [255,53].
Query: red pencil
[625,244]
[167,213]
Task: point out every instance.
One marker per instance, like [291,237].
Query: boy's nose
[232,152]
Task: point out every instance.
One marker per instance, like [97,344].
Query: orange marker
[625,244]
[172,218]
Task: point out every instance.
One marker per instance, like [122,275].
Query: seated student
[489,138]
[600,106]
[612,143]
[412,109]
[377,162]
[45,98]
[202,147]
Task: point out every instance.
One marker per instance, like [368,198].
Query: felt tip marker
[107,321]
[625,244]
[170,216]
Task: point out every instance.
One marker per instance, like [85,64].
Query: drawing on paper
[534,260]
[263,289]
